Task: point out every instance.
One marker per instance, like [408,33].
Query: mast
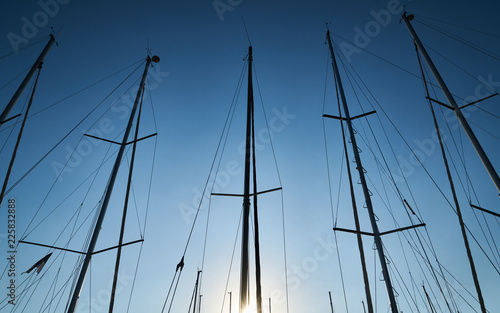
[459,214]
[196,291]
[107,195]
[331,303]
[19,136]
[456,109]
[475,143]
[357,225]
[258,291]
[26,80]
[124,214]
[369,206]
[246,192]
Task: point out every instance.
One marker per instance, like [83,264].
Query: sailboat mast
[196,291]
[376,232]
[456,109]
[246,192]
[26,80]
[107,196]
[331,303]
[357,225]
[124,214]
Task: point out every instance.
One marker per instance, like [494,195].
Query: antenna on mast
[246,31]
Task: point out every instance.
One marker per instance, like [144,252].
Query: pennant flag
[39,265]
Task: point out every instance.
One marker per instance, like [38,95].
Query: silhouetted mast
[359,166]
[475,143]
[107,195]
[19,91]
[453,105]
[246,192]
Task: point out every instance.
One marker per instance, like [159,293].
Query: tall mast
[369,206]
[26,80]
[455,199]
[14,153]
[357,225]
[456,109]
[246,192]
[331,303]
[196,291]
[107,195]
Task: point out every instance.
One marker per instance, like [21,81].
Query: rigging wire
[220,145]
[281,191]
[231,262]
[459,26]
[468,179]
[70,237]
[143,232]
[67,161]
[83,89]
[388,62]
[398,192]
[34,42]
[398,132]
[18,119]
[66,136]
[334,216]
[13,79]
[463,41]
[491,89]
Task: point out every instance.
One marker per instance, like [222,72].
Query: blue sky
[202,53]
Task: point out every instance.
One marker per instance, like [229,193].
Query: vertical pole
[460,218]
[107,196]
[331,302]
[376,232]
[246,194]
[26,80]
[258,288]
[269,305]
[465,125]
[196,291]
[357,224]
[230,293]
[475,143]
[125,209]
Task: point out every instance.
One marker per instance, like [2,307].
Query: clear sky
[202,45]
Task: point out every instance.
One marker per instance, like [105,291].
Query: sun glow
[250,309]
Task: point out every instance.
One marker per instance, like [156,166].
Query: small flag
[39,265]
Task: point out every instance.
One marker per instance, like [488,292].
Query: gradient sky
[202,53]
